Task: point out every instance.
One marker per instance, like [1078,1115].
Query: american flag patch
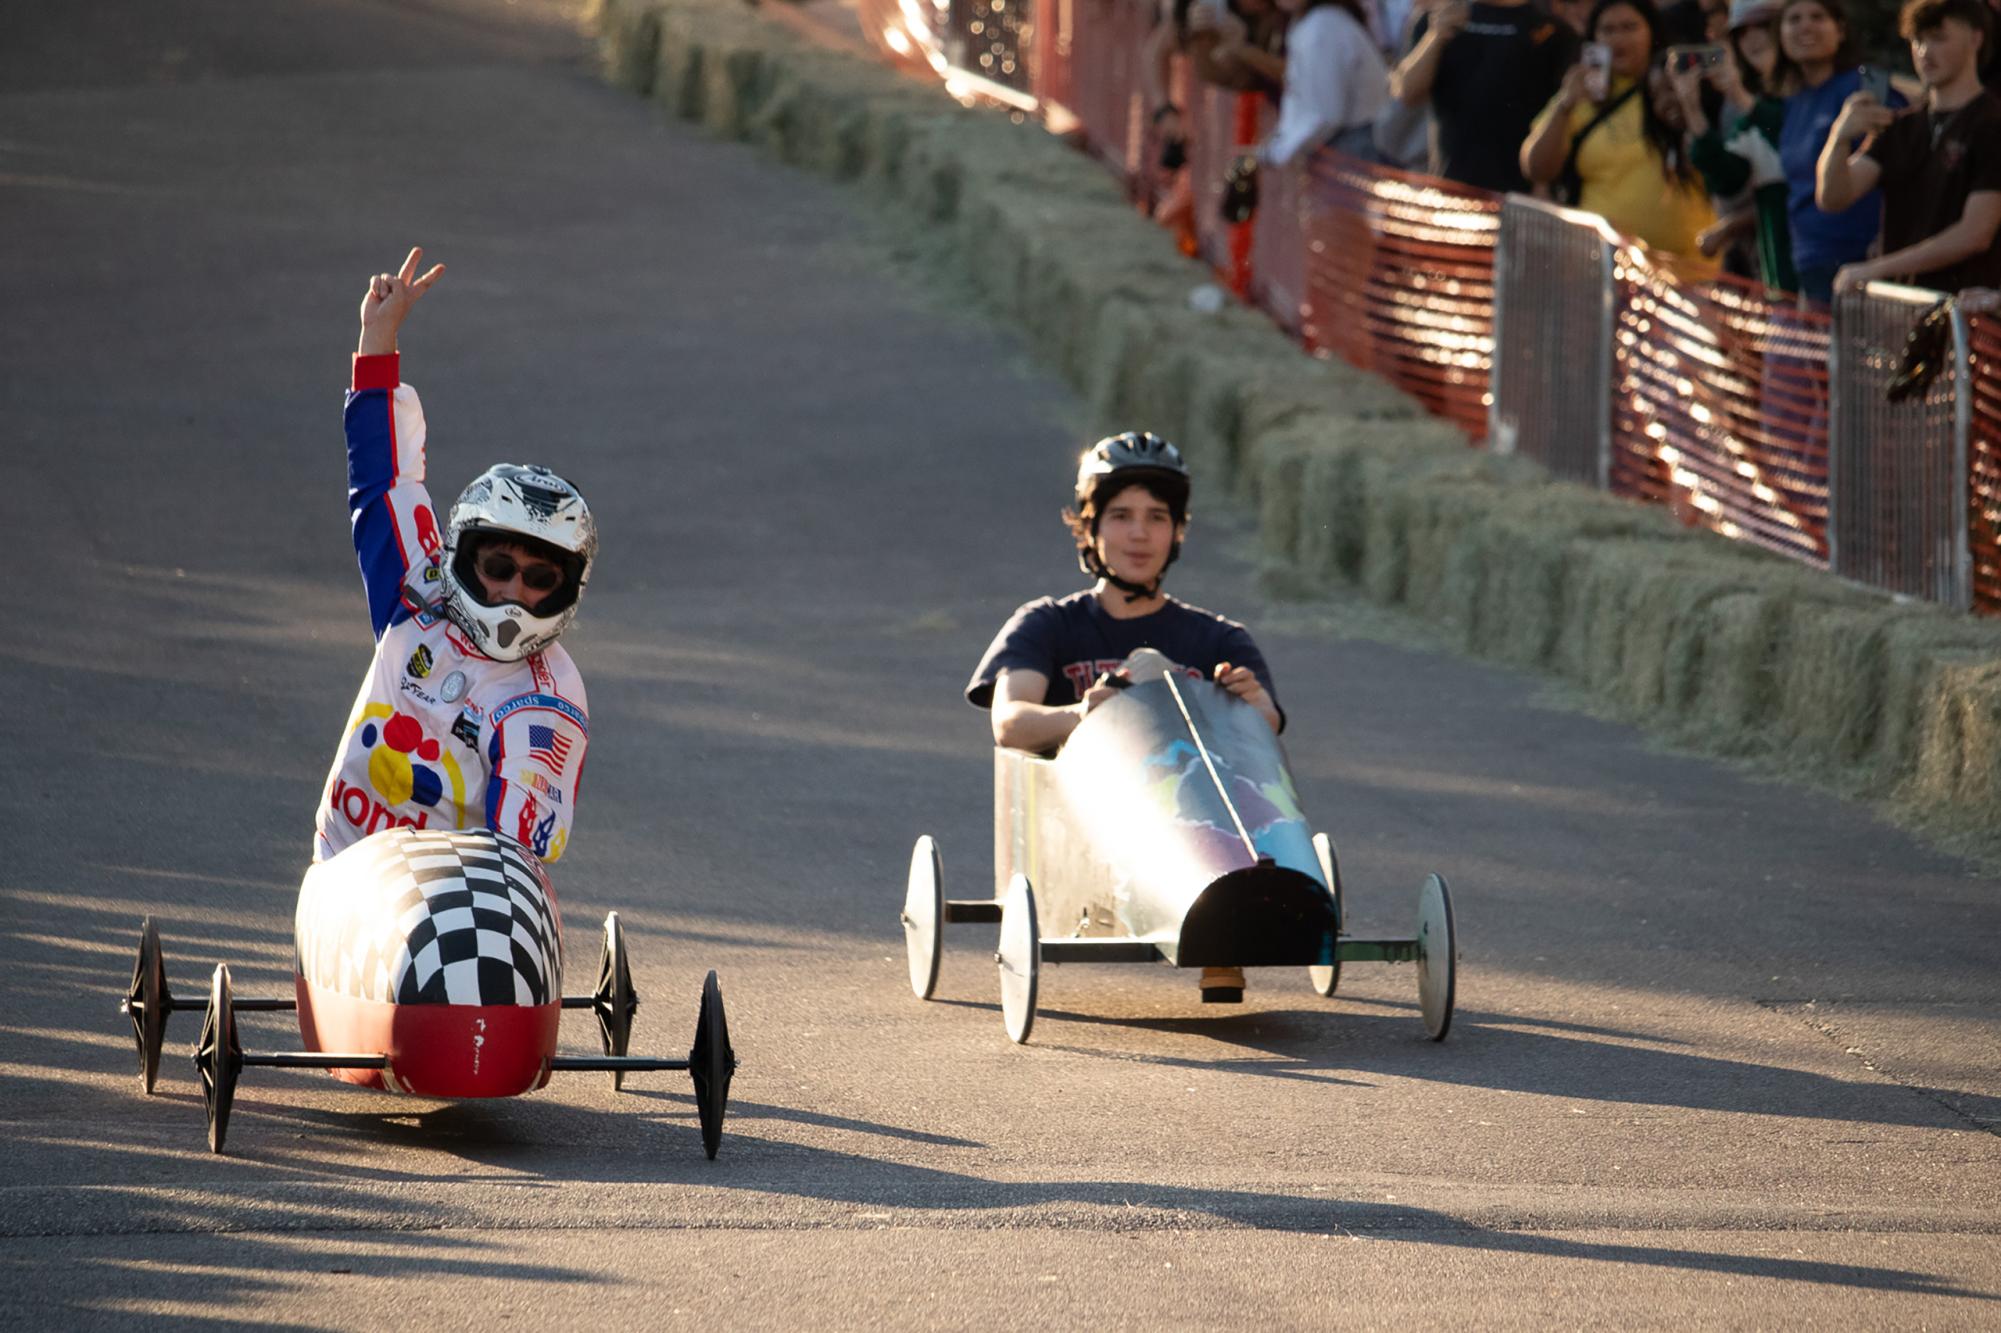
[548,747]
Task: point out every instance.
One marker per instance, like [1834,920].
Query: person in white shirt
[1335,83]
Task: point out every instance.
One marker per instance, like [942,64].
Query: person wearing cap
[1043,672]
[1738,151]
[471,715]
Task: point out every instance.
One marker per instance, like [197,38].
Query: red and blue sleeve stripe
[370,418]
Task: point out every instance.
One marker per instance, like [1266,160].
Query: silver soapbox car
[1166,829]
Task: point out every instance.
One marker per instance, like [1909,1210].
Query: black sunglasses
[500,567]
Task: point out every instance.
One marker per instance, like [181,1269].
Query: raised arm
[1411,78]
[394,528]
[1548,144]
[1842,177]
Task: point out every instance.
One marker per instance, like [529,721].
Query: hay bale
[1160,382]
[1440,583]
[1924,654]
[1332,513]
[677,75]
[732,89]
[1829,671]
[1958,727]
[1280,463]
[629,43]
[1523,547]
[1732,704]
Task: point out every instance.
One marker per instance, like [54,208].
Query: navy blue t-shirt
[1074,640]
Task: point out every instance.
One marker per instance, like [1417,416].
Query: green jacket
[1727,173]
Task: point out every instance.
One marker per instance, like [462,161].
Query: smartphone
[1597,59]
[1875,82]
[1705,56]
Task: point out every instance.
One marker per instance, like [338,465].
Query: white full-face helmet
[532,507]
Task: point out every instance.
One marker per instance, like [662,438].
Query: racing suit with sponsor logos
[441,736]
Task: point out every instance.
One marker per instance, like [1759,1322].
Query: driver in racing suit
[471,714]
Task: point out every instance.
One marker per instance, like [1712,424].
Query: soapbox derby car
[1166,829]
[427,963]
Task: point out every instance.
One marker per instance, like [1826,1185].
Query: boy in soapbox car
[1056,659]
[1143,808]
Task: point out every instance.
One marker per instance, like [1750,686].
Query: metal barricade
[1983,461]
[1399,279]
[1553,331]
[1720,406]
[1898,471]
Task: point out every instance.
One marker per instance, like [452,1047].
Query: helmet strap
[1094,565]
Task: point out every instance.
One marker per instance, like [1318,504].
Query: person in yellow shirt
[1611,139]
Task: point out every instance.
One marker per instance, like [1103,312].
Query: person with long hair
[1739,148]
[1619,146]
[1335,82]
[1818,64]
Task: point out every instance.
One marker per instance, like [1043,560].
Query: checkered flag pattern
[411,916]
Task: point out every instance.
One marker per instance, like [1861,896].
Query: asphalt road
[1727,1051]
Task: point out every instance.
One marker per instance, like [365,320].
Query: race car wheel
[1437,956]
[147,1003]
[1019,958]
[1326,980]
[924,916]
[615,1001]
[712,1062]
[218,1057]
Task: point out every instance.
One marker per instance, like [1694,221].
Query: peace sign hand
[389,300]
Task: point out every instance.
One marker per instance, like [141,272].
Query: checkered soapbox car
[1166,829]
[428,963]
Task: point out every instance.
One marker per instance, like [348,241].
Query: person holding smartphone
[1737,150]
[1938,166]
[1817,61]
[1622,150]
[1484,69]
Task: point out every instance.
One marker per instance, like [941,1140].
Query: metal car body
[1166,828]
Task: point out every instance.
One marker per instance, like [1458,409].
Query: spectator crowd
[1740,136]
